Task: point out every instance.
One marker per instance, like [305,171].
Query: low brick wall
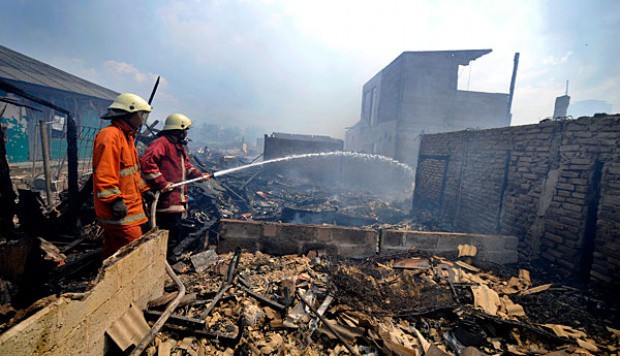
[493,248]
[555,185]
[75,324]
[285,239]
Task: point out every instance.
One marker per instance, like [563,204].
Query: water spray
[403,167]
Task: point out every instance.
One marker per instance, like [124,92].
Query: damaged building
[321,254]
[21,117]
[417,94]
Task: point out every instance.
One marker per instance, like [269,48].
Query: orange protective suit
[116,175]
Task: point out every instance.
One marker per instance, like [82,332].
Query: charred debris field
[406,304]
[409,303]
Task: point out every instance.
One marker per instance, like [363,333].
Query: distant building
[417,94]
[561,106]
[282,144]
[85,100]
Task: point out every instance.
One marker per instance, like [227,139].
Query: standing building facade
[417,94]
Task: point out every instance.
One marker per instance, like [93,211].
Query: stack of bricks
[555,185]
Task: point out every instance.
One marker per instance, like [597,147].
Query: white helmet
[127,103]
[177,122]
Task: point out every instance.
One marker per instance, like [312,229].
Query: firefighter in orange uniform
[118,185]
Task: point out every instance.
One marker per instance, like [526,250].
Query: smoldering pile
[319,192]
[410,305]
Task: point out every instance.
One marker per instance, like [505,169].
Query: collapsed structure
[22,117]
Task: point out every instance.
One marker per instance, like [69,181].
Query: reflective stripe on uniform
[172,209]
[183,178]
[108,192]
[130,170]
[125,220]
[152,176]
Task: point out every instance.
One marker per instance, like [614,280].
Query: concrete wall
[380,139]
[284,239]
[554,185]
[75,324]
[417,94]
[481,110]
[494,248]
[281,147]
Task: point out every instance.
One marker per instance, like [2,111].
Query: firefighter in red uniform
[117,183]
[166,162]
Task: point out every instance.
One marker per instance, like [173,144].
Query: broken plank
[538,289]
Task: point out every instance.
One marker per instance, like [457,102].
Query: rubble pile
[43,269]
[406,304]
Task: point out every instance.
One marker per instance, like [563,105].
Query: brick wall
[555,185]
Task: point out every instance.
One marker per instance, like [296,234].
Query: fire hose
[173,186]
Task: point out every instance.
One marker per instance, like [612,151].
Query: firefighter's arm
[150,168]
[192,172]
[106,167]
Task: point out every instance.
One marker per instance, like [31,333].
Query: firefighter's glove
[207,176]
[119,209]
[167,188]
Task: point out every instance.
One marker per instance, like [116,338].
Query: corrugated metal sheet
[18,67]
[130,329]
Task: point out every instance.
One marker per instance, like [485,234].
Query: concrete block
[323,235]
[296,238]
[71,326]
[501,257]
[295,232]
[511,242]
[353,236]
[229,243]
[280,245]
[356,251]
[494,248]
[421,241]
[450,242]
[393,238]
[269,230]
[242,229]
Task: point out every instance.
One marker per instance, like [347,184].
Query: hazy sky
[299,66]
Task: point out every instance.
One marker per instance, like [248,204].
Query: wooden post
[512,88]
[45,150]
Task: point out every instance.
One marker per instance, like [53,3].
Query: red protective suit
[167,162]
